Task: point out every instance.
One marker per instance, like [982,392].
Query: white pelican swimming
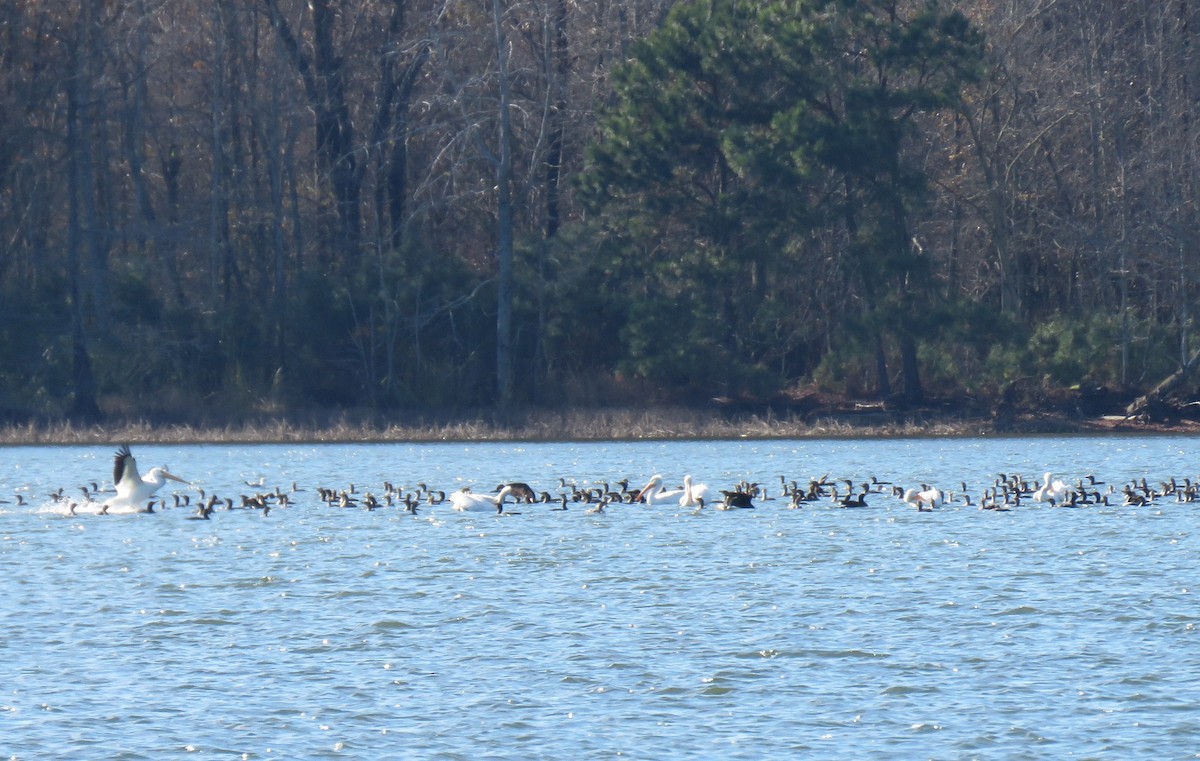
[464,501]
[926,499]
[133,491]
[654,494]
[693,494]
[1051,490]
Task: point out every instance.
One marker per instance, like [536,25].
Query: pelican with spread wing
[133,491]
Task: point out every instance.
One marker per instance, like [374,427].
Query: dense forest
[243,206]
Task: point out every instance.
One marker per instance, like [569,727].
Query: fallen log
[1154,400]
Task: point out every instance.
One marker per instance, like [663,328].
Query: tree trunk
[504,222]
[82,228]
[219,273]
[558,66]
[391,128]
[87,103]
[881,370]
[84,408]
[910,369]
[324,86]
[558,69]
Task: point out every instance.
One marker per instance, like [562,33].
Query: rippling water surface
[646,632]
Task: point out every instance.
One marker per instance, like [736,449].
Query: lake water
[645,633]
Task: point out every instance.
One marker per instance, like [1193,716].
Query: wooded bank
[221,209]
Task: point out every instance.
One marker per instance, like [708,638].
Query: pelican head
[162,473]
[499,498]
[654,483]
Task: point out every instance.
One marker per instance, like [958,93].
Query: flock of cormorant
[133,493]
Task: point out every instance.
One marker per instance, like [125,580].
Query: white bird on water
[654,494]
[693,494]
[1052,490]
[464,501]
[133,491]
[924,500]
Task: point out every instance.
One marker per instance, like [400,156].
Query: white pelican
[132,490]
[1052,491]
[693,494]
[924,500]
[464,501]
[654,494]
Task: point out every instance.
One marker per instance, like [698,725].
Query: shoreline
[657,424]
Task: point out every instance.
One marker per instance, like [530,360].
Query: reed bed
[659,423]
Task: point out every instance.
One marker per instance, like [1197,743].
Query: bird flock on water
[131,492]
